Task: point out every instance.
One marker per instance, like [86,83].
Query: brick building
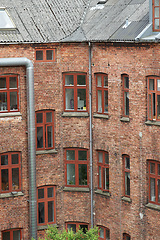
[81,146]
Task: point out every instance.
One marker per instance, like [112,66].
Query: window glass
[5,21]
[99,81]
[50,192]
[107,234]
[6,236]
[101,232]
[100,157]
[69,80]
[40,193]
[70,154]
[3,82]
[16,235]
[81,99]
[72,226]
[69,99]
[158,84]
[100,177]
[106,101]
[82,174]
[39,137]
[156,23]
[156,3]
[4,179]
[152,189]
[127,163]
[106,178]
[12,82]
[158,106]
[126,96]
[82,155]
[100,101]
[49,54]
[3,101]
[106,81]
[39,117]
[126,82]
[151,84]
[50,211]
[48,117]
[158,183]
[15,159]
[4,160]
[127,183]
[156,12]
[81,80]
[13,100]
[49,136]
[84,227]
[41,212]
[15,178]
[71,174]
[39,55]
[106,158]
[152,168]
[158,169]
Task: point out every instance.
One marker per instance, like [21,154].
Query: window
[126,175]
[125,86]
[9,99]
[103,170]
[156,15]
[12,234]
[104,233]
[75,92]
[154,182]
[44,130]
[76,161]
[45,55]
[126,236]
[5,20]
[76,226]
[154,98]
[10,172]
[46,205]
[102,93]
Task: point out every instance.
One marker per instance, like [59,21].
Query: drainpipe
[13,62]
[90,132]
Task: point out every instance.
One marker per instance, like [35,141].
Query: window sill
[126,199]
[10,114]
[76,189]
[44,227]
[149,122]
[125,119]
[75,114]
[11,194]
[96,115]
[46,151]
[98,191]
[153,206]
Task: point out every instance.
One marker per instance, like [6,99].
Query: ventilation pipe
[13,62]
[90,132]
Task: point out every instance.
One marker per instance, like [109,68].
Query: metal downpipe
[90,132]
[12,62]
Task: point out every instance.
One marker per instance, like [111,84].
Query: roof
[46,21]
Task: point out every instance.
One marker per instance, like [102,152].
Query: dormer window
[5,20]
[156,15]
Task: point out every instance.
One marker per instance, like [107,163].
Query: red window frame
[104,231]
[75,182]
[46,200]
[153,95]
[101,88]
[44,54]
[102,168]
[10,166]
[45,125]
[126,236]
[154,173]
[78,224]
[11,231]
[75,87]
[8,90]
[125,90]
[126,171]
[156,10]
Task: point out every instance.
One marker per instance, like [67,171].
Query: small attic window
[102,1]
[5,20]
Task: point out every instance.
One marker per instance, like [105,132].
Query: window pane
[100,101]
[101,233]
[39,137]
[16,235]
[158,84]
[82,155]
[158,169]
[3,82]
[50,192]
[158,182]
[49,55]
[127,163]
[13,100]
[15,178]
[107,234]
[128,237]
[100,157]
[99,81]
[81,80]
[152,168]
[71,226]
[49,117]
[69,99]
[126,102]
[84,228]
[39,117]
[156,23]
[15,159]
[106,178]
[152,189]
[50,211]
[156,13]
[150,107]
[3,101]
[106,158]
[50,136]
[70,154]
[156,2]
[106,101]
[151,84]
[158,106]
[12,82]
[126,82]
[70,174]
[69,80]
[39,55]
[154,105]
[100,177]
[40,193]
[4,160]
[41,212]
[6,236]
[4,176]
[81,99]
[82,174]
[105,81]
[127,183]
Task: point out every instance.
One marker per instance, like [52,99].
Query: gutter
[13,62]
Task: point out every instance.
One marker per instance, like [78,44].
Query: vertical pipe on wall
[90,131]
[11,62]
